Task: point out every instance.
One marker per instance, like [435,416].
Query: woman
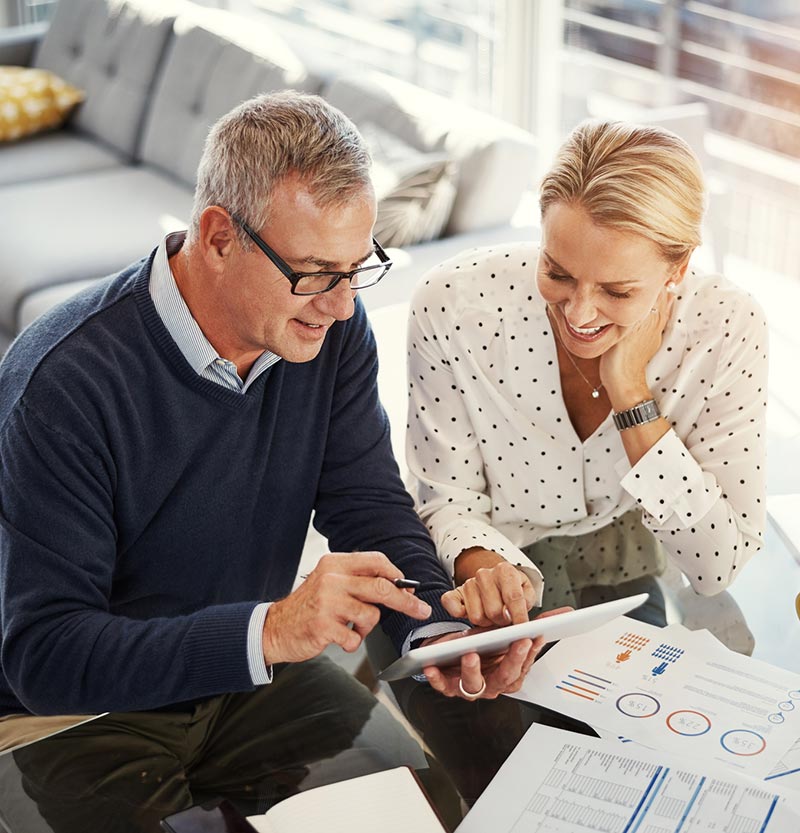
[583,410]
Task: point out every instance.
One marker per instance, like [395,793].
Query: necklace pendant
[595,393]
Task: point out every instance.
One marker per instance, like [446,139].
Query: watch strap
[646,411]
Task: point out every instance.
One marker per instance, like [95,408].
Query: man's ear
[217,238]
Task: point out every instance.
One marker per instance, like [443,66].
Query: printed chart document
[675,690]
[559,782]
[787,771]
[389,802]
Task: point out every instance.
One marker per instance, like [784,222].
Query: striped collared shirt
[186,332]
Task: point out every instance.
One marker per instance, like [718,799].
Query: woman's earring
[672,288]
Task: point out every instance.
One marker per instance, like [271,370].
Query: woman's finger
[489,585]
[513,594]
[453,603]
[473,601]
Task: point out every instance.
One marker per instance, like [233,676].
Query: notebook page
[389,801]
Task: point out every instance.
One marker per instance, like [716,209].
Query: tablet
[493,641]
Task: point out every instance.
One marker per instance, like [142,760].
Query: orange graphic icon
[624,656]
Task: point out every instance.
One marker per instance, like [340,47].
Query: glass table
[95,777]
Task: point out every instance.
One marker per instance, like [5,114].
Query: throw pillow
[32,100]
[415,190]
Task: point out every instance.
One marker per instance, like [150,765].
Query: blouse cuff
[465,535]
[668,483]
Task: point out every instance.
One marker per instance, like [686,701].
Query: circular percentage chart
[637,704]
[688,723]
[743,742]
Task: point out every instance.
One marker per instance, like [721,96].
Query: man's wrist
[268,648]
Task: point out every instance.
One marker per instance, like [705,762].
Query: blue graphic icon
[667,653]
[743,742]
[660,669]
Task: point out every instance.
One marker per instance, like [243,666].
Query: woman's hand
[623,367]
[495,594]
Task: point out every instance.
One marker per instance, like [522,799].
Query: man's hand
[497,593]
[343,589]
[489,677]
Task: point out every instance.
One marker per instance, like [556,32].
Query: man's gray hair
[263,140]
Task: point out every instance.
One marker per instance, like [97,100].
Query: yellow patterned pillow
[32,100]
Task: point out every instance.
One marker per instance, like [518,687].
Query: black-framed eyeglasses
[315,283]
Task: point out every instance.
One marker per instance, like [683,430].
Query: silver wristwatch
[639,414]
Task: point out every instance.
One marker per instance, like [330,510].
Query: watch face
[637,415]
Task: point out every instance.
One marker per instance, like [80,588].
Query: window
[30,11]
[740,57]
[446,46]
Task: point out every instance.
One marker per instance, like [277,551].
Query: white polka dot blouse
[496,463]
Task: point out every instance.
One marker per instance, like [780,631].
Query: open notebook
[390,801]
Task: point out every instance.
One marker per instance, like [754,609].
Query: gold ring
[470,695]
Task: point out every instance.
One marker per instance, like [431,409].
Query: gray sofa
[85,200]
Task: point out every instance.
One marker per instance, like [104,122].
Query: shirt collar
[178,319]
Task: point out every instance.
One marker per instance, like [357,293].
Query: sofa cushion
[215,62]
[32,100]
[415,190]
[112,49]
[495,159]
[120,215]
[44,299]
[52,155]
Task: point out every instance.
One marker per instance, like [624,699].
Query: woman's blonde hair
[631,177]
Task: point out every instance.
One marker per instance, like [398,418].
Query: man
[165,437]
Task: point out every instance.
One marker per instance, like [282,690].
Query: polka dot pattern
[497,463]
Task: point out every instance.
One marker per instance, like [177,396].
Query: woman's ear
[677,275]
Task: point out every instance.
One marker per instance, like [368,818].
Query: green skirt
[621,559]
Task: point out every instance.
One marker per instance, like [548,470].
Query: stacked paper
[675,690]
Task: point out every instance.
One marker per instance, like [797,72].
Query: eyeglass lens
[367,275]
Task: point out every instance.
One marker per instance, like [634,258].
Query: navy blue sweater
[145,511]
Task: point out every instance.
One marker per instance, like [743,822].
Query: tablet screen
[495,640]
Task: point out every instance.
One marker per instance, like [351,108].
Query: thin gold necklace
[595,390]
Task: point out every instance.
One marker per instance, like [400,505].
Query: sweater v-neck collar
[167,345]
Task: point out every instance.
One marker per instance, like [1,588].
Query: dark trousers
[122,773]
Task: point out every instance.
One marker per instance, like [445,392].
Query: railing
[742,65]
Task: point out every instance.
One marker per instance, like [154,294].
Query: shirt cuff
[434,629]
[426,632]
[260,672]
[667,483]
